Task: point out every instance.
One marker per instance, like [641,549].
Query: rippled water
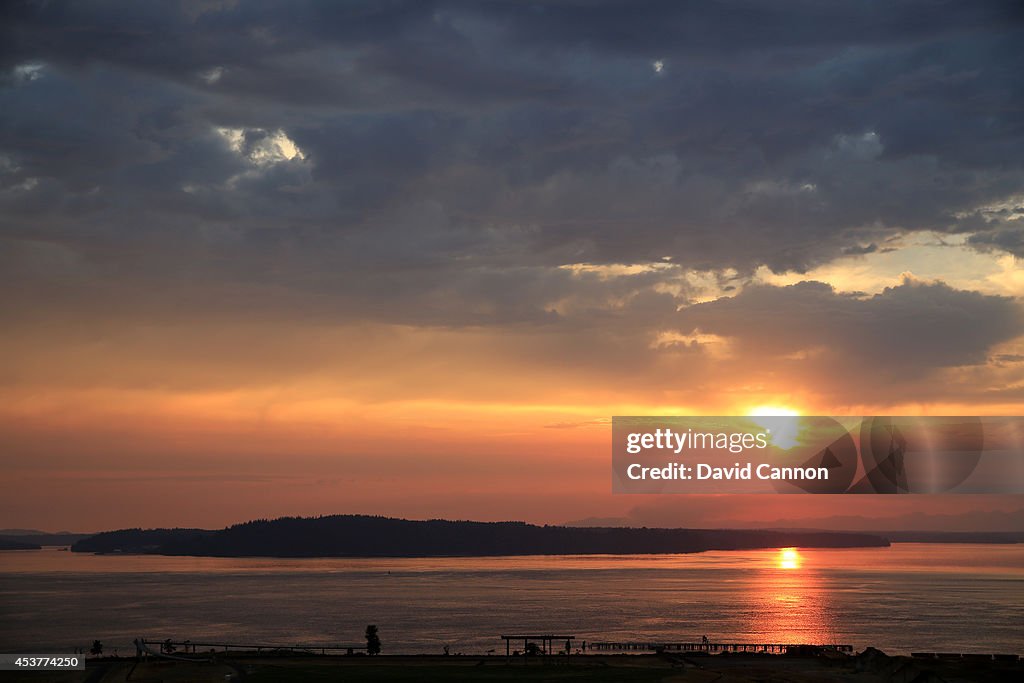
[905,598]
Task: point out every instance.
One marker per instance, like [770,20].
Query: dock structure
[711,648]
[969,656]
[546,642]
[196,647]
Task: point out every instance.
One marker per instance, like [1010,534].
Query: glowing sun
[773,411]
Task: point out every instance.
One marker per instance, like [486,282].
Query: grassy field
[429,669]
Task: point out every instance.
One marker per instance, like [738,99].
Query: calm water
[903,598]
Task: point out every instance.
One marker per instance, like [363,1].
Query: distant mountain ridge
[41,538]
[369,536]
[1008,522]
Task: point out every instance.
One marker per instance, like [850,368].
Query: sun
[773,411]
[789,558]
[784,433]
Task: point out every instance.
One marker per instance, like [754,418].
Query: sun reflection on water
[790,601]
[789,558]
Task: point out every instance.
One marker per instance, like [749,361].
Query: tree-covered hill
[367,536]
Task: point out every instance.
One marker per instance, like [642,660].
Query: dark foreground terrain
[871,667]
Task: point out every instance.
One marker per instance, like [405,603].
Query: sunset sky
[409,258]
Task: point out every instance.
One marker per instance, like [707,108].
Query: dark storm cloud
[903,332]
[1007,240]
[454,154]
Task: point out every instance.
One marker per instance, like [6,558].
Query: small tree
[372,640]
[97,648]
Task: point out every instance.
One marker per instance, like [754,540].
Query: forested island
[370,536]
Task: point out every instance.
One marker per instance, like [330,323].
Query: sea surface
[909,597]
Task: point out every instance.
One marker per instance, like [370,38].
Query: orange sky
[147,430]
[410,260]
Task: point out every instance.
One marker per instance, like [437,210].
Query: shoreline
[868,666]
[891,543]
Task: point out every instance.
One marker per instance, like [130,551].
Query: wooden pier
[200,647]
[711,648]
